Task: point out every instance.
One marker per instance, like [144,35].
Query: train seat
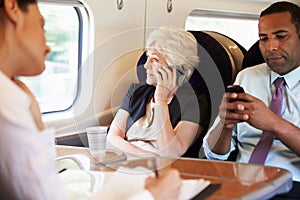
[197,83]
[226,53]
[220,59]
[253,56]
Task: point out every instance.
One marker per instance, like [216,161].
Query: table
[238,180]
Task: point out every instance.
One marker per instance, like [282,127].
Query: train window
[57,87]
[242,27]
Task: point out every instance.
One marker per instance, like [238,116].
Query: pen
[62,170]
[155,168]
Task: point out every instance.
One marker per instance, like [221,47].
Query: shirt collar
[291,78]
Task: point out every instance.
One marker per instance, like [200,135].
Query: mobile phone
[178,73]
[234,89]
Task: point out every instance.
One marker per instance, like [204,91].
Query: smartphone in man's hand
[234,89]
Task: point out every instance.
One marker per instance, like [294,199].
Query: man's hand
[230,110]
[256,113]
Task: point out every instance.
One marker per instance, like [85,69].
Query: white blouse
[27,164]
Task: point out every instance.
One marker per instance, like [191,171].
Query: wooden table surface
[237,180]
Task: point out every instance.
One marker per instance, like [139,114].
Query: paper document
[125,183]
[80,184]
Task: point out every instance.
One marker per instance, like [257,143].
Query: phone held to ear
[178,73]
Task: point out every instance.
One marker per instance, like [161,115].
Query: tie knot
[279,82]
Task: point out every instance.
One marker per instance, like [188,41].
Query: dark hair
[23,4]
[284,6]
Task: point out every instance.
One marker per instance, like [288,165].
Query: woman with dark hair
[26,146]
[27,167]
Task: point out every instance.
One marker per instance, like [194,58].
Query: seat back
[253,56]
[227,54]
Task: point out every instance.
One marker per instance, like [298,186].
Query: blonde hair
[178,47]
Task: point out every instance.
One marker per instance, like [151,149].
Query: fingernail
[240,107]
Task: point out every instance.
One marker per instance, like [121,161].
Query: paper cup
[97,139]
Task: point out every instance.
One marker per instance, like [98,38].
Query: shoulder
[11,96]
[14,105]
[254,79]
[261,71]
[134,86]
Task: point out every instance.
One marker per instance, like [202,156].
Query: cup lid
[97,129]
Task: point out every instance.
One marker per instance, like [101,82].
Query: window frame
[85,64]
[224,14]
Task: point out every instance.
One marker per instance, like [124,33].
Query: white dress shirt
[257,81]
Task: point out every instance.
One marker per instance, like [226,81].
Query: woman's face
[32,42]
[155,61]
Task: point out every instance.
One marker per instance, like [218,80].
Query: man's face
[279,42]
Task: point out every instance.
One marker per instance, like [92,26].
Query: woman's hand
[166,84]
[166,186]
[34,106]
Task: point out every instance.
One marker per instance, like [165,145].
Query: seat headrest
[253,56]
[217,53]
[211,52]
[140,70]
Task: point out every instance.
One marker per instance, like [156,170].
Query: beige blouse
[143,133]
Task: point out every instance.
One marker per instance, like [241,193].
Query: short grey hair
[178,47]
